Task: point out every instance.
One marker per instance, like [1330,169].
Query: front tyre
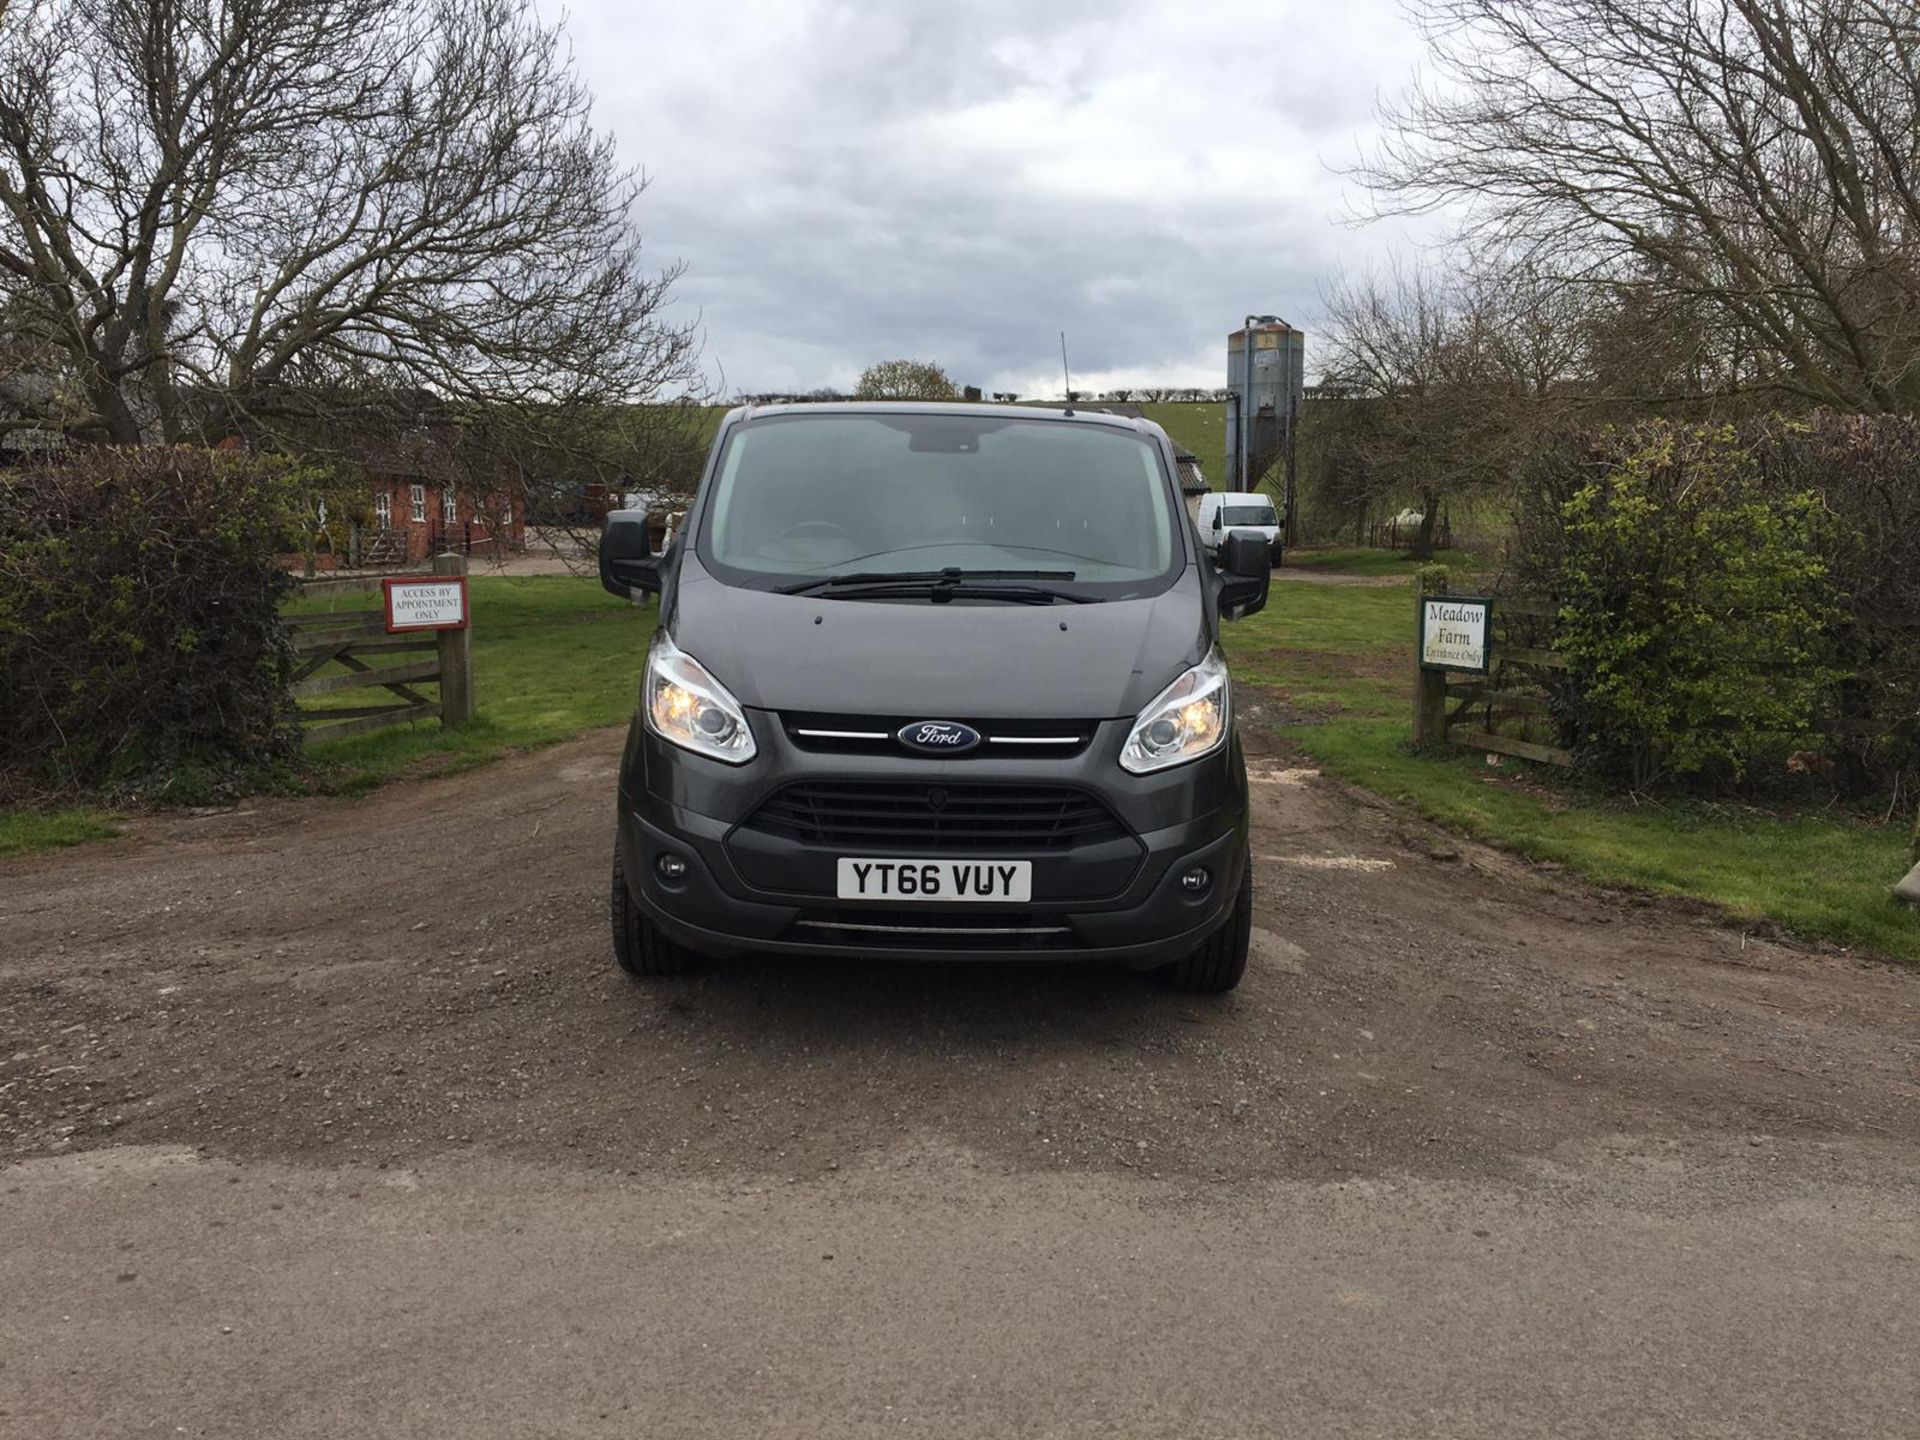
[638,946]
[1216,967]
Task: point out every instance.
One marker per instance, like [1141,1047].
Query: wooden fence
[1507,711]
[354,646]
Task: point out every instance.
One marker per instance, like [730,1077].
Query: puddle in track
[1281,777]
[1330,862]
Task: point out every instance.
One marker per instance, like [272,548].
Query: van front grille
[893,815]
[1000,740]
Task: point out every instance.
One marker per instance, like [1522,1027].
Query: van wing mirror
[627,561]
[1245,572]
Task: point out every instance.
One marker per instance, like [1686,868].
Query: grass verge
[1338,661]
[27,832]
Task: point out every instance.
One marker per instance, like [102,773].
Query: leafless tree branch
[219,213]
[1756,160]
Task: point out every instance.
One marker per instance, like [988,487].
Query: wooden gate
[1507,711]
[342,651]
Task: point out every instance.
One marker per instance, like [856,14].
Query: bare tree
[905,380]
[1444,380]
[225,212]
[1751,167]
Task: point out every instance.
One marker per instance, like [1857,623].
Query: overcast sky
[961,181]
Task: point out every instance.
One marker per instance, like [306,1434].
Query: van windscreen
[798,496]
[1248,515]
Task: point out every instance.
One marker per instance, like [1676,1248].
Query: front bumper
[1114,902]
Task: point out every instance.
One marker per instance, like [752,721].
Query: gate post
[1429,686]
[456,656]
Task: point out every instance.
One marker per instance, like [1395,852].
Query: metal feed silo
[1266,365]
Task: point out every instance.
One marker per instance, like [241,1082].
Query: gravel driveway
[331,1118]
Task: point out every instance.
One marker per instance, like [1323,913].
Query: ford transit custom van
[935,682]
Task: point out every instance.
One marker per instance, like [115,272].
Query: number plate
[940,881]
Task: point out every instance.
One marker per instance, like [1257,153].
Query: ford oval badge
[938,737]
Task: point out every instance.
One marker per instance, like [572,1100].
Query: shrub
[905,380]
[1867,471]
[1695,613]
[140,633]
[1739,602]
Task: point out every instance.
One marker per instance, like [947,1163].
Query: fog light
[1196,880]
[671,867]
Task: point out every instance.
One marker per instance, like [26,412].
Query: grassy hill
[1202,428]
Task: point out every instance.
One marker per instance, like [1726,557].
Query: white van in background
[1221,511]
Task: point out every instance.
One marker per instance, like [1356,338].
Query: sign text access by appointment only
[436,604]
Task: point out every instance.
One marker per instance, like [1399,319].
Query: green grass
[1364,624]
[1340,658]
[1201,428]
[1350,561]
[553,655]
[1815,875]
[27,832]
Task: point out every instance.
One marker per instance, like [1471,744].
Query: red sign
[435,602]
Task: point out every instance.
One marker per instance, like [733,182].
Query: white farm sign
[1453,633]
[437,604]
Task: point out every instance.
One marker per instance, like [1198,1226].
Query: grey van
[936,682]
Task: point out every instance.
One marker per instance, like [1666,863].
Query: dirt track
[1444,1066]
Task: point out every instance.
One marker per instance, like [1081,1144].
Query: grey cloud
[960,183]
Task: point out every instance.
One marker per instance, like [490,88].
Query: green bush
[140,633]
[1745,600]
[1696,611]
[1866,470]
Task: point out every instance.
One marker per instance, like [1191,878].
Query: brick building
[415,516]
[428,496]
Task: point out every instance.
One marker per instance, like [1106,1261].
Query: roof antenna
[1065,371]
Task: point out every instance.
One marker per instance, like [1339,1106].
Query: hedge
[1740,604]
[141,644]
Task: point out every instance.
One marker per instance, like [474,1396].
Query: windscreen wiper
[912,581]
[940,593]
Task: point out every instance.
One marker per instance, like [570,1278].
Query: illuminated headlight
[1186,720]
[687,706]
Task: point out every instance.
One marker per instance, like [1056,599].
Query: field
[1200,428]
